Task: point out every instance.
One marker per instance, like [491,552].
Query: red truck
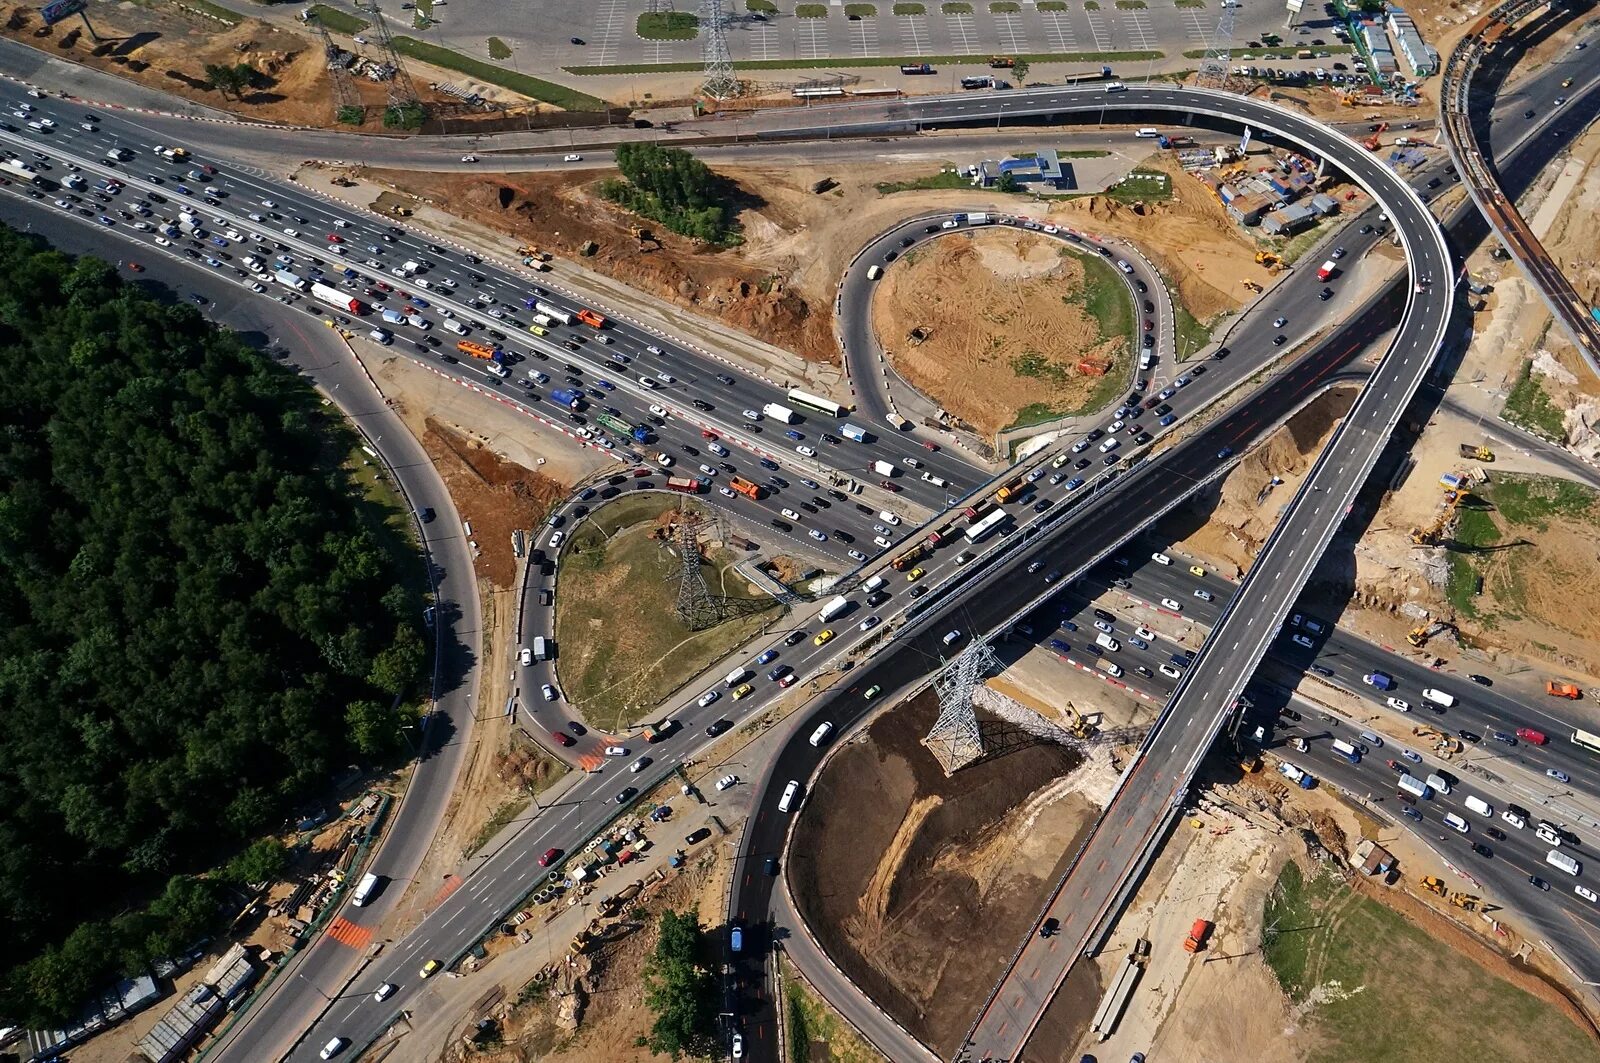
[592,319]
[687,484]
[1327,270]
[1197,936]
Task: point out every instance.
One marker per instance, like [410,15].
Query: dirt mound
[1007,307]
[920,886]
[561,214]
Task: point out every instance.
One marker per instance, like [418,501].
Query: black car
[1279,340]
[718,728]
[1469,736]
[769,867]
[1481,680]
[1322,671]
[1482,849]
[795,638]
[1222,352]
[1325,294]
[700,404]
[907,241]
[1042,505]
[696,837]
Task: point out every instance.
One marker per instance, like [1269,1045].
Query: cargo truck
[749,489]
[289,280]
[572,400]
[1327,270]
[835,607]
[334,297]
[638,433]
[780,413]
[1346,750]
[553,313]
[896,422]
[916,68]
[479,350]
[910,557]
[1378,679]
[1297,775]
[1414,786]
[687,484]
[1197,936]
[541,648]
[592,319]
[850,431]
[1011,490]
[394,317]
[884,468]
[940,534]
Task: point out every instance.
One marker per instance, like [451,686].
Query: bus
[982,530]
[1588,741]
[21,171]
[821,405]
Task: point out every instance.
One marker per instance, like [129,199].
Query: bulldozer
[643,236]
[919,334]
[1433,884]
[1266,258]
[1476,451]
[1466,901]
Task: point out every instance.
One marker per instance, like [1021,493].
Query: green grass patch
[1081,153]
[1530,501]
[1360,958]
[870,61]
[910,9]
[803,11]
[810,1021]
[339,21]
[1530,407]
[956,8]
[1189,3]
[667,26]
[1140,186]
[1296,246]
[942,179]
[1131,5]
[1004,7]
[534,88]
[1268,53]
[496,823]
[761,7]
[499,49]
[1191,333]
[861,10]
[621,645]
[1104,297]
[1091,5]
[217,11]
[1052,5]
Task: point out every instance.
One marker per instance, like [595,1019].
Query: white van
[952,637]
[455,326]
[1116,86]
[364,888]
[1438,783]
[1147,132]
[1122,264]
[1161,559]
[820,735]
[874,272]
[888,518]
[790,792]
[1106,642]
[1147,358]
[1557,858]
[333,1047]
[872,584]
[1456,823]
[737,676]
[1480,806]
[1439,697]
[1346,748]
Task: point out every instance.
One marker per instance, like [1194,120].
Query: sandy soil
[929,863]
[993,304]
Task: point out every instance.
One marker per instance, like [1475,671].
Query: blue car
[184,191]
[1074,483]
[105,220]
[219,241]
[419,302]
[767,657]
[1168,419]
[608,385]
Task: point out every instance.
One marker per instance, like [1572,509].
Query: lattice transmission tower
[954,739]
[697,607]
[1214,68]
[338,60]
[402,93]
[720,82]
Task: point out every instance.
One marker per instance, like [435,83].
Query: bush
[671,186]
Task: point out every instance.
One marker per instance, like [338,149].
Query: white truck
[835,607]
[884,468]
[410,267]
[289,280]
[780,413]
[1416,787]
[850,431]
[554,313]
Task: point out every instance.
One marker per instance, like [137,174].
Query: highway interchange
[500,883]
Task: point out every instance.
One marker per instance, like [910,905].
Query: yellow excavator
[1079,725]
[1430,535]
[1419,635]
[1433,884]
[1269,260]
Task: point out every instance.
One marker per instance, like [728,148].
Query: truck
[1197,936]
[1001,62]
[910,557]
[1297,775]
[748,488]
[835,607]
[479,350]
[980,219]
[334,297]
[982,81]
[394,317]
[850,431]
[410,267]
[541,648]
[1166,141]
[1381,680]
[978,510]
[1562,689]
[536,265]
[568,397]
[1011,489]
[940,534]
[885,468]
[687,484]
[916,68]
[1475,451]
[592,319]
[780,413]
[553,313]
[1326,271]
[639,433]
[1414,786]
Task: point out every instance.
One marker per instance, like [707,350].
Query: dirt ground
[995,303]
[929,862]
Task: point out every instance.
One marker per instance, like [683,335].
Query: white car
[1398,704]
[469,158]
[649,382]
[728,492]
[1173,604]
[292,232]
[616,751]
[1203,595]
[257,286]
[819,536]
[869,623]
[526,656]
[807,451]
[659,411]
[666,378]
[548,691]
[1144,633]
[555,540]
[749,415]
[882,542]
[385,991]
[727,781]
[708,697]
[791,514]
[1161,559]
[572,157]
[1586,893]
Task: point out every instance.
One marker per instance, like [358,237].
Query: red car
[135,267]
[382,287]
[335,238]
[706,433]
[562,739]
[930,446]
[550,856]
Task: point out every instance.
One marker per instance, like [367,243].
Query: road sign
[59,9]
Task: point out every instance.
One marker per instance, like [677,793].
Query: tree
[679,990]
[1008,183]
[673,187]
[1019,70]
[263,861]
[230,79]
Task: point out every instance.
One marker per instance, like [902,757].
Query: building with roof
[1043,168]
[181,1028]
[1420,56]
[1289,220]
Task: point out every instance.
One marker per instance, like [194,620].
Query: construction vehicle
[1560,688]
[1197,936]
[1478,452]
[1419,635]
[1078,725]
[1001,62]
[1430,535]
[1465,901]
[643,236]
[1252,286]
[531,251]
[1269,260]
[1371,143]
[1433,884]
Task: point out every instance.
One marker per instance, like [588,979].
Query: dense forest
[676,189]
[202,619]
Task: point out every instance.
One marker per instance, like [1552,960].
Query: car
[526,656]
[1398,705]
[333,1047]
[1279,340]
[385,991]
[767,657]
[628,794]
[1538,883]
[616,751]
[823,637]
[548,691]
[1203,595]
[429,969]
[1481,680]
[1504,737]
[1469,736]
[1173,604]
[736,1045]
[550,856]
[727,781]
[697,836]
[869,623]
[1415,758]
[572,157]
[1482,850]
[1558,775]
[562,739]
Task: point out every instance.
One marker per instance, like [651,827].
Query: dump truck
[1001,62]
[568,397]
[940,534]
[1476,451]
[1562,689]
[1433,884]
[1197,936]
[592,319]
[1166,141]
[1011,490]
[537,265]
[687,484]
[910,557]
[1327,270]
[749,489]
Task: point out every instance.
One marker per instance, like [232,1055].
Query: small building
[1249,210]
[1324,204]
[199,1009]
[1043,168]
[1421,57]
[1289,220]
[1372,858]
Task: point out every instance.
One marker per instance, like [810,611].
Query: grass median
[842,62]
[534,88]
